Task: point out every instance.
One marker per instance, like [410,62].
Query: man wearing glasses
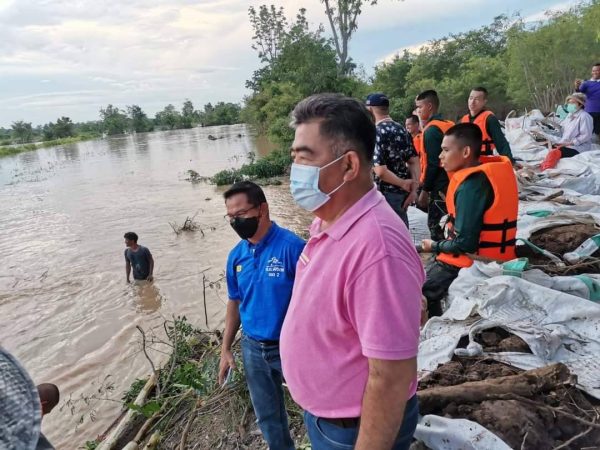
[260,276]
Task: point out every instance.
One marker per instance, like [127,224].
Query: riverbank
[180,405]
[14,150]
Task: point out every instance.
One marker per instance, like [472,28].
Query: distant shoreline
[15,150]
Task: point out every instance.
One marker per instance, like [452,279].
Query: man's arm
[127,269]
[384,402]
[150,266]
[472,200]
[386,175]
[232,325]
[495,131]
[432,139]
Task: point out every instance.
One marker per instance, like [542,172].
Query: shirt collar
[267,237]
[437,116]
[350,217]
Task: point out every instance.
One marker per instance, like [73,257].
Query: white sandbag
[442,433]
[558,326]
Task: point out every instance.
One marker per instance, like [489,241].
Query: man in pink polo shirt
[350,337]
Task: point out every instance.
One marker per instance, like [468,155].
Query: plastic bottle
[586,249]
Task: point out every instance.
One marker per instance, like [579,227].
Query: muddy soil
[520,425]
[560,240]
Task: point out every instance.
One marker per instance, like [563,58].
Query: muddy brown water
[65,309]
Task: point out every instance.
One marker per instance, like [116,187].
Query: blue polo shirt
[261,276]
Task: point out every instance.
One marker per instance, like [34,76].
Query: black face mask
[245,227]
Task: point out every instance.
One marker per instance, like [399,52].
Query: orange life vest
[418,144]
[487,144]
[443,125]
[499,230]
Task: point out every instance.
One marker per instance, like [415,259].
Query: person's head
[247,209]
[428,104]
[477,100]
[461,147]
[130,239]
[49,396]
[412,124]
[596,71]
[332,152]
[378,104]
[575,102]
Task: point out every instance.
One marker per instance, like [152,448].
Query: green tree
[342,16]
[544,60]
[188,115]
[63,128]
[138,119]
[168,118]
[114,121]
[270,28]
[22,132]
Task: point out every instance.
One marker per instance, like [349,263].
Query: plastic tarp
[453,434]
[553,315]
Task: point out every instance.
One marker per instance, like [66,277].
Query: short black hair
[597,64]
[468,134]
[130,235]
[344,120]
[431,96]
[481,89]
[413,118]
[50,395]
[253,191]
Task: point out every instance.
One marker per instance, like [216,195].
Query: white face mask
[304,185]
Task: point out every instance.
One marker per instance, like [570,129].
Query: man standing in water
[260,276]
[137,257]
[349,341]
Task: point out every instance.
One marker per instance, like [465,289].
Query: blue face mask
[571,107]
[304,185]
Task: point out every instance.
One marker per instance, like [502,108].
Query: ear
[467,152]
[352,165]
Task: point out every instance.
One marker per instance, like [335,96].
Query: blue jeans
[262,365]
[327,436]
[396,201]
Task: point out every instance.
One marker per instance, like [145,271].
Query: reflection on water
[66,310]
[147,296]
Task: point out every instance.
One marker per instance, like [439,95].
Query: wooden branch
[525,384]
[154,371]
[188,425]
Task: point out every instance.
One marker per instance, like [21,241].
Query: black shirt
[393,149]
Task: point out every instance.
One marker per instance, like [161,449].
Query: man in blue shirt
[260,277]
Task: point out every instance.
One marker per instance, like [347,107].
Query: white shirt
[577,129]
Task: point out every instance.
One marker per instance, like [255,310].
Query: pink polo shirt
[357,295]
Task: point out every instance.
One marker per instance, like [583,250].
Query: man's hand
[227,361]
[426,245]
[410,199]
[128,280]
[423,201]
[578,83]
[408,185]
[150,278]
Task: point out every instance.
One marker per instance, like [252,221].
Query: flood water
[66,311]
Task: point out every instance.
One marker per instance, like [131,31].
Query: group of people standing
[338,317]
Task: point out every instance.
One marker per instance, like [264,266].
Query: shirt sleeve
[432,139]
[385,312]
[295,251]
[231,275]
[586,129]
[472,199]
[583,87]
[382,146]
[495,131]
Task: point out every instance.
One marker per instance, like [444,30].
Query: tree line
[114,120]
[523,65]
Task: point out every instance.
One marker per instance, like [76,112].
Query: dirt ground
[520,425]
[560,240]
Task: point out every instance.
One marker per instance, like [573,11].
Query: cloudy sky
[70,57]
